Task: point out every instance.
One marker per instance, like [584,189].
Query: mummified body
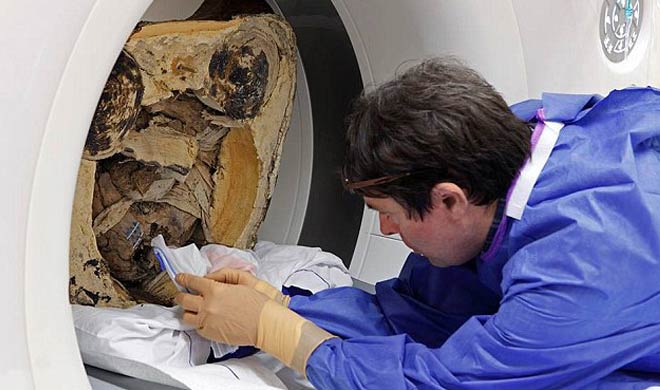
[185,142]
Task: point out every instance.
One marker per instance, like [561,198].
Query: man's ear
[451,198]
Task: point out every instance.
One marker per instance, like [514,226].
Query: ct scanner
[57,56]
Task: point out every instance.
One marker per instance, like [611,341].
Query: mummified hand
[240,315]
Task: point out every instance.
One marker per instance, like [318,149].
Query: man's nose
[387,227]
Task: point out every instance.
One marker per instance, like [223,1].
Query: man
[536,239]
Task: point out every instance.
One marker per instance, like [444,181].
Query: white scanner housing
[57,56]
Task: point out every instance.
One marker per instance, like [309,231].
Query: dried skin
[130,178]
[238,79]
[147,146]
[184,109]
[106,192]
[91,282]
[117,109]
[126,246]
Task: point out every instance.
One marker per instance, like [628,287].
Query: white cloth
[189,259]
[152,343]
[304,267]
[147,332]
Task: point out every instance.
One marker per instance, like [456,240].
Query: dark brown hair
[442,122]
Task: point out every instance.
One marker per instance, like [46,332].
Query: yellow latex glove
[244,278]
[240,315]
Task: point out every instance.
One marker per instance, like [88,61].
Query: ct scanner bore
[61,54]
[329,78]
[333,217]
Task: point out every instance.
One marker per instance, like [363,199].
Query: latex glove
[243,278]
[240,315]
[222,312]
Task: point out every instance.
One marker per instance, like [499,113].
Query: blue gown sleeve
[522,346]
[554,329]
[427,303]
[345,312]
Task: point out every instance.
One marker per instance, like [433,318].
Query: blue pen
[165,264]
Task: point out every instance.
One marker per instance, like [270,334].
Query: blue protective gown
[571,298]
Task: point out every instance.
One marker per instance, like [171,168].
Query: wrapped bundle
[185,142]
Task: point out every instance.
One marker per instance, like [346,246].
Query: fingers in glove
[192,319]
[189,302]
[192,282]
[233,276]
[268,290]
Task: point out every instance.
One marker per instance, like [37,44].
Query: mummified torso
[185,143]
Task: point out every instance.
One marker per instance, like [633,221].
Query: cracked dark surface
[239,78]
[117,109]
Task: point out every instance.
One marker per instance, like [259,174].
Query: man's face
[439,237]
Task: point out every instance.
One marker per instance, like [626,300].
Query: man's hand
[243,278]
[240,315]
[227,313]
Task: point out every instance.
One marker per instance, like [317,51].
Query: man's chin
[442,263]
[437,262]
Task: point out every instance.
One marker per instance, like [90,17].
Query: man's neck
[492,217]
